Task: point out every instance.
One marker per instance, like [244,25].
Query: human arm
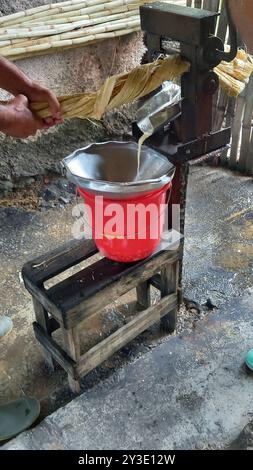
[13,80]
[242,14]
[17,120]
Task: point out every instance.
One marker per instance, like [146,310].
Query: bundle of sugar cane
[74,38]
[234,75]
[66,8]
[118,90]
[65,25]
[126,88]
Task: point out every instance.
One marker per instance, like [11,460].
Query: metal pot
[110,168]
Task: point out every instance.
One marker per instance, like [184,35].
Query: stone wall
[71,71]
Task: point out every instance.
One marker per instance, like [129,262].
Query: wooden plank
[143,294]
[72,346]
[249,165]
[223,23]
[246,127]
[55,350]
[197,3]
[42,319]
[220,112]
[220,99]
[169,279]
[125,334]
[155,281]
[83,294]
[214,5]
[221,27]
[169,285]
[72,343]
[55,262]
[206,5]
[40,294]
[53,325]
[236,130]
[230,114]
[211,5]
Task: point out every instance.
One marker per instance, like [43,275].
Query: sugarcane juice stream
[142,139]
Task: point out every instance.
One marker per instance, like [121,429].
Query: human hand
[40,94]
[17,120]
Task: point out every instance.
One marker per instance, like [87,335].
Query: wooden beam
[244,159]
[211,5]
[43,320]
[155,281]
[223,23]
[53,325]
[125,334]
[122,282]
[72,346]
[55,350]
[41,295]
[197,3]
[169,285]
[143,294]
[236,131]
[55,262]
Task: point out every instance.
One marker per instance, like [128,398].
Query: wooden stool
[67,304]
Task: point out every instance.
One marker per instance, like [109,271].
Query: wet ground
[190,392]
[218,267]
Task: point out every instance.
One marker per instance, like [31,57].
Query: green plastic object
[249,359]
[17,416]
[6,326]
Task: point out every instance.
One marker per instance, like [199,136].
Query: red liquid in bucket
[127,230]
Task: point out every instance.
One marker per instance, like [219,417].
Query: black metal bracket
[191,33]
[181,153]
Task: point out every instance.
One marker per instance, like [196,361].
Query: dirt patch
[24,198]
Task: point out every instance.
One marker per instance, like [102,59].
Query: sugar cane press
[190,32]
[183,140]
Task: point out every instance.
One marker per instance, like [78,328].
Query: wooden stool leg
[169,285]
[143,294]
[43,319]
[72,345]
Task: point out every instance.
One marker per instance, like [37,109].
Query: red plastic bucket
[127,230]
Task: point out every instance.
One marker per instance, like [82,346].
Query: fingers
[39,93]
[21,100]
[53,104]
[53,122]
[40,123]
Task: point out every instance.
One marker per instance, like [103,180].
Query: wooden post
[169,285]
[223,23]
[72,346]
[221,107]
[143,294]
[244,160]
[211,5]
[236,130]
[197,3]
[249,165]
[43,319]
[228,122]
[220,101]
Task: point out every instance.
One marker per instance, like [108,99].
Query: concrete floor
[191,392]
[218,266]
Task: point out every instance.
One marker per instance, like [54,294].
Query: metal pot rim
[114,186]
